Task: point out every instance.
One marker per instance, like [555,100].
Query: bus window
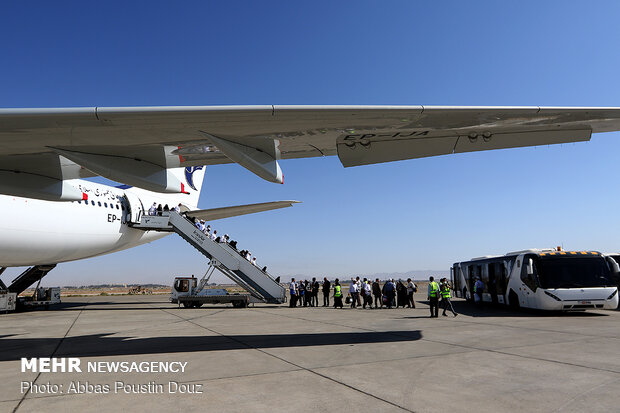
[574,272]
[528,273]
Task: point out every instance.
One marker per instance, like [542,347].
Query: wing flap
[370,148]
[233,211]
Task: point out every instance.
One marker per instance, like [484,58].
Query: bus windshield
[573,272]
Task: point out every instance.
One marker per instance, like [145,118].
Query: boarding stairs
[29,277]
[222,256]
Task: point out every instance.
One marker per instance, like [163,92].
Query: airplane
[159,155]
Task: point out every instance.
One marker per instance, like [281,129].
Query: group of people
[435,291]
[391,294]
[306,293]
[361,293]
[224,239]
[156,209]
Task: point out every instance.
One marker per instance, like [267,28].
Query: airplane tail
[192,178]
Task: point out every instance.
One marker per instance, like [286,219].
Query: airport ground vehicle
[190,293]
[544,279]
[42,297]
[7,301]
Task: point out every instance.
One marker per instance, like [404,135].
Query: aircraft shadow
[99,345]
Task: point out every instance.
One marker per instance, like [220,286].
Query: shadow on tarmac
[497,310]
[153,305]
[97,345]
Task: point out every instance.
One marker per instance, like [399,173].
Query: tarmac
[280,359]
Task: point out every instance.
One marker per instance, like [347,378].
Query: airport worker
[337,294]
[293,291]
[411,288]
[367,294]
[433,296]
[444,289]
[478,289]
[153,209]
[354,292]
[326,288]
[376,291]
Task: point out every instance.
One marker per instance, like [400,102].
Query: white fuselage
[34,232]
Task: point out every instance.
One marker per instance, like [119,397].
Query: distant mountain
[413,274]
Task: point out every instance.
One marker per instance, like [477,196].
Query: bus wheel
[197,304]
[187,304]
[513,300]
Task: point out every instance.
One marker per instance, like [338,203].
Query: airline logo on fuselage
[189,175]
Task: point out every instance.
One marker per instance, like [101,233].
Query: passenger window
[93,202]
[105,204]
[99,203]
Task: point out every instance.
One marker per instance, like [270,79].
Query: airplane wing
[233,211]
[48,146]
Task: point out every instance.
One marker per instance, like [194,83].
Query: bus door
[502,282]
[529,283]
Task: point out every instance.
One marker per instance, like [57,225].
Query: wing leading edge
[233,211]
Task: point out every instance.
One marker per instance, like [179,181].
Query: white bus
[540,279]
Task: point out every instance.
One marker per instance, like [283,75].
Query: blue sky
[418,214]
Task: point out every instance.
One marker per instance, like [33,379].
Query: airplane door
[133,208]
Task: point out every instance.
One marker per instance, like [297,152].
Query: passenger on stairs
[177,209]
[153,209]
[254,261]
[214,235]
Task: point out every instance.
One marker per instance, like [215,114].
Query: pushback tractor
[543,279]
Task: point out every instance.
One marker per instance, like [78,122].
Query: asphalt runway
[277,359]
